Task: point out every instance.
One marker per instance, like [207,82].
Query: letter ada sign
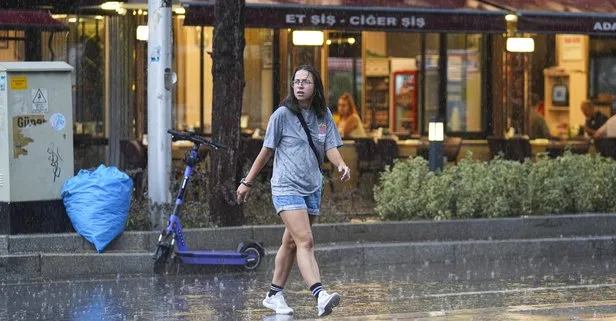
[566,23]
[604,26]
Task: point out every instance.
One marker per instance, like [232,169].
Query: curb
[227,238]
[72,265]
[407,242]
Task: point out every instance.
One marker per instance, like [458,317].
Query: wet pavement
[536,289]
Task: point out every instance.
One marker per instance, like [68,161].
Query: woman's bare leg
[285,257]
[298,225]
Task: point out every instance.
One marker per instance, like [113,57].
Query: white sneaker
[327,302]
[277,303]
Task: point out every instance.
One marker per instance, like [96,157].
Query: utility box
[36,137]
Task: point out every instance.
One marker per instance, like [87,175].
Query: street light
[436,136]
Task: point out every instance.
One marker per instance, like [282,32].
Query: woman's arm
[601,132]
[264,155]
[351,123]
[336,159]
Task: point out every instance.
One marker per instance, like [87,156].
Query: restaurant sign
[570,23]
[354,18]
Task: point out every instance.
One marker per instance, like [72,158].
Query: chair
[135,158]
[497,145]
[516,148]
[367,156]
[423,148]
[519,149]
[133,154]
[388,152]
[606,147]
[576,146]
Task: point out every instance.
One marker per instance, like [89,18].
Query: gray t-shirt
[296,170]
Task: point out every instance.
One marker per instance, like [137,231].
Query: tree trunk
[228,75]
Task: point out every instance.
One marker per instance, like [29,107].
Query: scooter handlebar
[192,137]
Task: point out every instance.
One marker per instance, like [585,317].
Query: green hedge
[499,188]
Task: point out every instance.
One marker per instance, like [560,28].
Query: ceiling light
[142,33]
[520,44]
[111,5]
[307,38]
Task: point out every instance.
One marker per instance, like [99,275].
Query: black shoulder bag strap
[314,149]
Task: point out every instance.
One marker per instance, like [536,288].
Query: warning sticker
[19,82]
[40,103]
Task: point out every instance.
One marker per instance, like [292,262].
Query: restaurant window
[429,89]
[464,112]
[12,45]
[602,82]
[344,67]
[194,98]
[87,54]
[404,50]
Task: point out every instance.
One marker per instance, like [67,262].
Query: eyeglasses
[302,82]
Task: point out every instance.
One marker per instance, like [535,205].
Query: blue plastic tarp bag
[97,203]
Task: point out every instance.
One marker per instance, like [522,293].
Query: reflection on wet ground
[515,290]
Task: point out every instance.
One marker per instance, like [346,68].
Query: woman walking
[300,133]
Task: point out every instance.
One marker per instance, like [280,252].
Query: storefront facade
[403,63]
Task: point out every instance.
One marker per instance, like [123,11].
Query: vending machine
[404,103]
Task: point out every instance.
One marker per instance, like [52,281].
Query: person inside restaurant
[349,125]
[608,129]
[594,118]
[538,126]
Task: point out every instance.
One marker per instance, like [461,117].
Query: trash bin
[36,140]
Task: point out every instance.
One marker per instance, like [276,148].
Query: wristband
[245,182]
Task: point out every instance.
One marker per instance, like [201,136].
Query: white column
[159,108]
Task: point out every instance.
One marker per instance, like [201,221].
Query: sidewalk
[573,236]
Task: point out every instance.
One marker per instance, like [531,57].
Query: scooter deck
[209,254]
[213,257]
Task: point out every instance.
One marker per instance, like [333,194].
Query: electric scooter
[248,253]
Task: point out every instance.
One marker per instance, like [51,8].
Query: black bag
[314,149]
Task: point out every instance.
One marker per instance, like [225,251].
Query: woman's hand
[346,172]
[242,193]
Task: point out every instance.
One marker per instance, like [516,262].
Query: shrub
[336,207]
[499,188]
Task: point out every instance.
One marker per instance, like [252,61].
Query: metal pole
[435,155]
[159,108]
[436,135]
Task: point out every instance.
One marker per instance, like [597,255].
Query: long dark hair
[318,97]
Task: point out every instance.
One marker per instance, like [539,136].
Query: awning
[567,23]
[355,18]
[592,17]
[29,19]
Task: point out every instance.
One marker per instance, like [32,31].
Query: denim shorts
[310,203]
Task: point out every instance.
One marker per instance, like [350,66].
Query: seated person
[538,126]
[608,129]
[594,118]
[349,125]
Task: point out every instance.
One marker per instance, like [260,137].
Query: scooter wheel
[257,252]
[161,258]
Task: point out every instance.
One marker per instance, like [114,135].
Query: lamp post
[436,136]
